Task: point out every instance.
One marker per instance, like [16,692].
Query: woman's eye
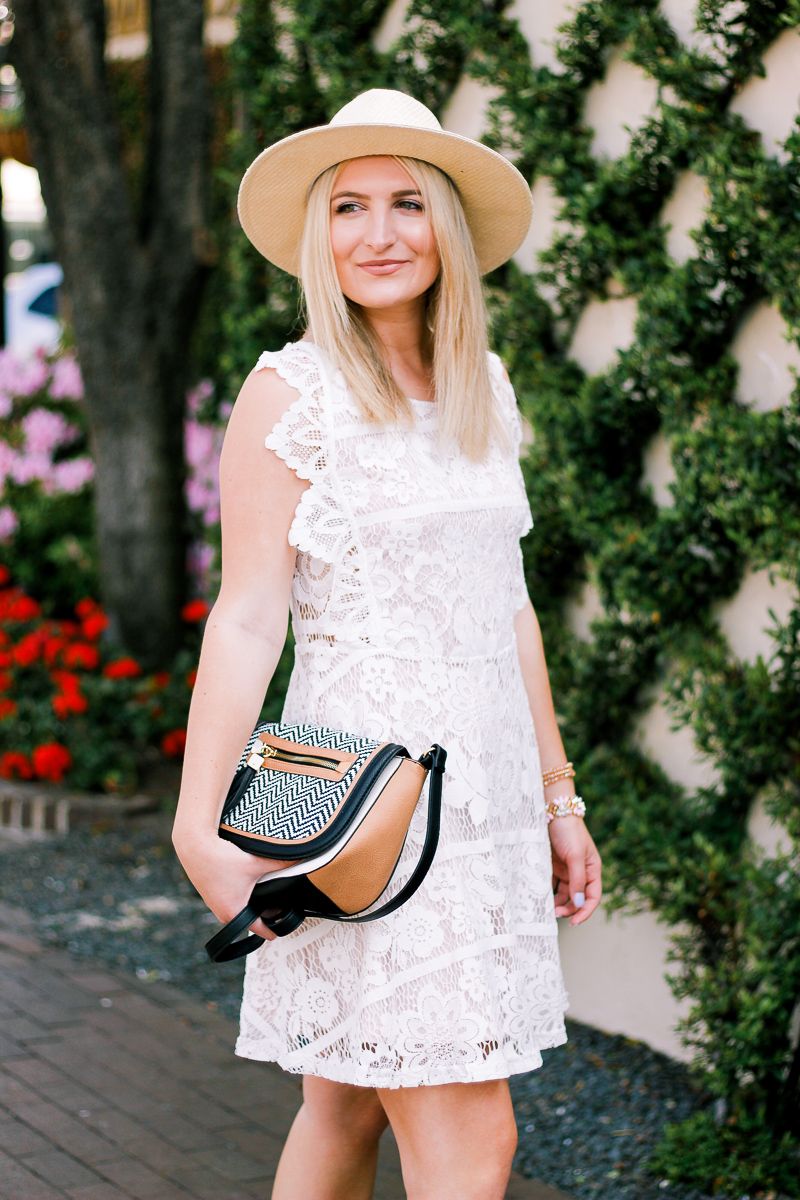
[412,205]
[347,206]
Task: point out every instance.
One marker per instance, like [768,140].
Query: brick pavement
[113,1089]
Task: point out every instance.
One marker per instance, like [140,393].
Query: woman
[370,479]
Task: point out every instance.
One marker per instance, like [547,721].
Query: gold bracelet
[554,774]
[565,806]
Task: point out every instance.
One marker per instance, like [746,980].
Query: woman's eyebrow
[361,196]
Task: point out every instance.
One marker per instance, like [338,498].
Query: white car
[32,307]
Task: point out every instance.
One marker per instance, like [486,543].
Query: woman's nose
[379,234]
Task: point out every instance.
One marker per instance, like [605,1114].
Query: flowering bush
[71,709]
[45,476]
[46,473]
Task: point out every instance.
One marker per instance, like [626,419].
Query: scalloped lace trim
[299,438]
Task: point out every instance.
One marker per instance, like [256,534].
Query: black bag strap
[436,756]
[223,947]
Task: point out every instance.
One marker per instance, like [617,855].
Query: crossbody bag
[337,808]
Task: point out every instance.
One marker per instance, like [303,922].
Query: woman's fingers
[260,928]
[576,873]
[594,886]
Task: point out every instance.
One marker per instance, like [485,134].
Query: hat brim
[273,192]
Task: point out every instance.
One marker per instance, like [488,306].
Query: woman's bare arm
[576,862]
[243,640]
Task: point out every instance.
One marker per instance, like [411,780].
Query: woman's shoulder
[506,400]
[497,371]
[501,384]
[297,363]
[280,404]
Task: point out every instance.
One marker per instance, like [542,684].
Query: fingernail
[579,899]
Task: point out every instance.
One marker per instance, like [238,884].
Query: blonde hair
[456,317]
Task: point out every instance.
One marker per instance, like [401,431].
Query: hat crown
[383,106]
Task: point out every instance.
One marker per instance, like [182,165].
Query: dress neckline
[414,399]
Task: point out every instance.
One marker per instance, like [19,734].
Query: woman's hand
[224,875]
[576,869]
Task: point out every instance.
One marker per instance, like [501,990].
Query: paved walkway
[112,1089]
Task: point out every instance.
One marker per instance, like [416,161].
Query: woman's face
[383,244]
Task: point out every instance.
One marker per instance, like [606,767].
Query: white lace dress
[408,576]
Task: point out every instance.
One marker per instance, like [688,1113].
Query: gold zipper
[258,758]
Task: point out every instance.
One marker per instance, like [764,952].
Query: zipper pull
[256,759]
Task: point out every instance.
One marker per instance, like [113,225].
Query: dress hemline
[521,1065]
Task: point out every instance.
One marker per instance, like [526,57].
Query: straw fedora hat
[273,193]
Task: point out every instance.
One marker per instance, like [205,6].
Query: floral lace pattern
[407,579]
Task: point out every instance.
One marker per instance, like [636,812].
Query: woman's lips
[386,266]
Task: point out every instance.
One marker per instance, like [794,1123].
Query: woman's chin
[384,297]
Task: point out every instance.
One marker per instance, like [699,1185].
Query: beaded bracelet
[554,774]
[565,806]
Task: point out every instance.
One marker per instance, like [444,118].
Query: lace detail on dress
[329,589]
[505,395]
[407,579]
[300,439]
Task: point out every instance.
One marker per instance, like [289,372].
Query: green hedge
[660,571]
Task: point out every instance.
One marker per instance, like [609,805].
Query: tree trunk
[134,284]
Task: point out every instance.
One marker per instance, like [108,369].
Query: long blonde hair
[456,317]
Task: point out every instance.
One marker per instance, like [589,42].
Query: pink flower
[22,377]
[45,431]
[8,456]
[66,383]
[202,444]
[199,560]
[27,467]
[70,475]
[8,523]
[197,396]
[6,404]
[203,498]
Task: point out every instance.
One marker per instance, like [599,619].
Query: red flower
[6,680]
[195,610]
[122,668]
[20,607]
[14,765]
[173,743]
[5,575]
[161,679]
[94,624]
[51,761]
[29,650]
[8,708]
[86,607]
[191,678]
[51,649]
[65,703]
[67,681]
[81,655]
[6,659]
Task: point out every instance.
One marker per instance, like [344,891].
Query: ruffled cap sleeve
[300,438]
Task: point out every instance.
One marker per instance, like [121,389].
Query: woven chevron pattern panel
[285,805]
